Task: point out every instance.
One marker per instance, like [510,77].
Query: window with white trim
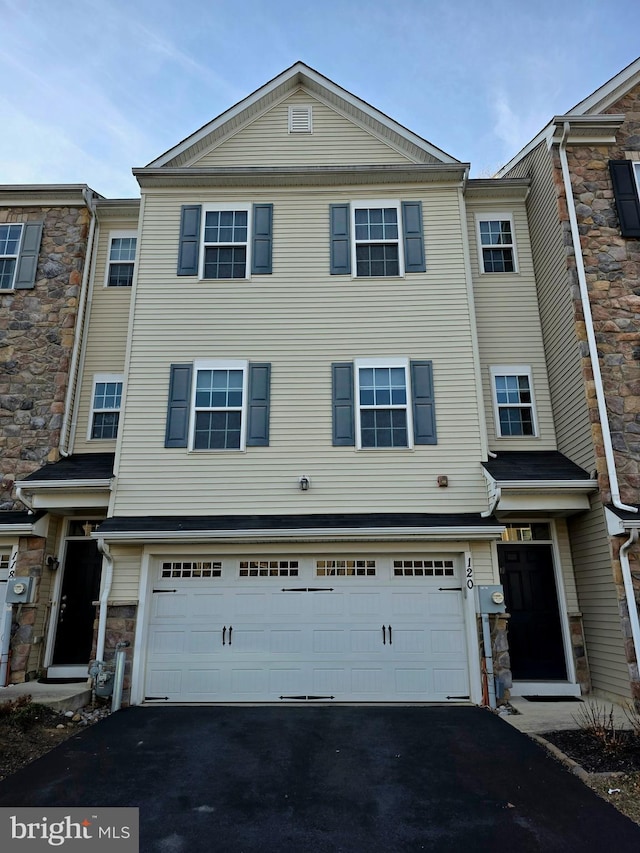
[225,243]
[105,409]
[219,405]
[122,256]
[376,244]
[383,413]
[10,237]
[496,243]
[514,407]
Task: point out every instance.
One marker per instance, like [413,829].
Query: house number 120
[469,574]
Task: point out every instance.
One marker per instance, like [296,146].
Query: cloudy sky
[91,88]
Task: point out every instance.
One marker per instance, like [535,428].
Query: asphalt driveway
[334,779]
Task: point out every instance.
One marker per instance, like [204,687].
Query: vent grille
[199,569]
[423,568]
[268,568]
[345,568]
[300,119]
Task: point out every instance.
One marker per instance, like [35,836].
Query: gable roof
[592,105]
[291,79]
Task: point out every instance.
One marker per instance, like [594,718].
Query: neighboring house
[584,217]
[44,231]
[312,415]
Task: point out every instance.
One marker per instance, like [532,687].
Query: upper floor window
[219,396]
[220,242]
[376,246]
[382,415]
[122,256]
[513,401]
[376,239]
[497,245]
[105,409]
[10,236]
[225,244]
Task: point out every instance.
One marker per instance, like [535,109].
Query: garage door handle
[224,634]
[384,635]
[230,631]
[390,636]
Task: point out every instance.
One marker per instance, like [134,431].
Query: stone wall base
[498,627]
[121,627]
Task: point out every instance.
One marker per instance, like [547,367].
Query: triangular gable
[332,139]
[610,92]
[211,136]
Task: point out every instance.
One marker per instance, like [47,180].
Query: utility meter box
[491,599]
[19,590]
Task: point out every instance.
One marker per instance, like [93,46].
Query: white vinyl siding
[335,141]
[598,602]
[556,309]
[509,330]
[126,576]
[301,320]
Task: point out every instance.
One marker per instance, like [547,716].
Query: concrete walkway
[539,717]
[60,697]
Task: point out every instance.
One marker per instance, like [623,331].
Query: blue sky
[91,88]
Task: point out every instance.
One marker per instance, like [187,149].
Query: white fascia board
[306,535]
[549,485]
[611,90]
[35,528]
[70,485]
[616,525]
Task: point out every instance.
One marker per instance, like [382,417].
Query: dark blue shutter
[258,409]
[413,237]
[424,413]
[177,432]
[344,433]
[262,239]
[625,190]
[340,246]
[28,260]
[188,250]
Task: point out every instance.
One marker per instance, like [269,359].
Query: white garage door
[343,629]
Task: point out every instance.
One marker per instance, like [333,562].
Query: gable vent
[300,119]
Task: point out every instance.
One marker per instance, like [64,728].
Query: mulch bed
[589,752]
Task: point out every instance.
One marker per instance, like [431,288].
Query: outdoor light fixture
[53,563]
[304,482]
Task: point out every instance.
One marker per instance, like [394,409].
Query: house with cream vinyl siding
[312,440]
[584,219]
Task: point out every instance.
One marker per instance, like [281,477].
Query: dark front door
[80,587]
[535,635]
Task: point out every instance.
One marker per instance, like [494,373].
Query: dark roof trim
[78,467]
[535,468]
[347,525]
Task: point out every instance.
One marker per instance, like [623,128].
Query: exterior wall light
[305,483]
[53,563]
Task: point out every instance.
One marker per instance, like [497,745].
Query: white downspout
[104,598]
[75,355]
[23,500]
[629,590]
[588,321]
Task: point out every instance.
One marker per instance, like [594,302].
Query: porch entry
[79,588]
[535,635]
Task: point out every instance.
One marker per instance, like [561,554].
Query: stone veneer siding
[121,626]
[36,341]
[612,267]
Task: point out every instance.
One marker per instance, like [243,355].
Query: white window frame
[225,206]
[408,406]
[513,370]
[367,204]
[15,257]
[496,216]
[218,364]
[293,108]
[118,235]
[98,378]
[636,172]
